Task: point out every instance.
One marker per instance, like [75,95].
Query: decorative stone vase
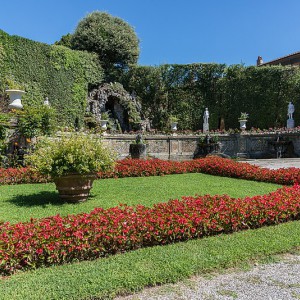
[74,188]
[138,151]
[103,124]
[243,124]
[174,126]
[15,97]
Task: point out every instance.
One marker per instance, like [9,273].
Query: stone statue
[259,61]
[205,120]
[291,110]
[206,116]
[46,102]
[139,139]
[290,121]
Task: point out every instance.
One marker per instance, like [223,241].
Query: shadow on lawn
[40,199]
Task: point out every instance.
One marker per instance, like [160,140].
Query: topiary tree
[114,40]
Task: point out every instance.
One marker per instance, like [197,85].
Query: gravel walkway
[276,281]
[275,163]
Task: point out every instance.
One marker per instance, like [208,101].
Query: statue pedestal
[205,127]
[290,123]
[242,147]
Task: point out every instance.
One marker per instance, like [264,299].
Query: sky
[172,31]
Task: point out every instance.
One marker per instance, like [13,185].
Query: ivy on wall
[56,72]
[184,91]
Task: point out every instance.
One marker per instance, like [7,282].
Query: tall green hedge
[56,72]
[185,91]
[64,76]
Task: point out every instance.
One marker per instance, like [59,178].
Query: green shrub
[76,153]
[36,121]
[186,90]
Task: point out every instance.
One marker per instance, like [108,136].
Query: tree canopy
[114,40]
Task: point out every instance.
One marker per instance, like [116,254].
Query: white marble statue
[290,121]
[291,110]
[205,120]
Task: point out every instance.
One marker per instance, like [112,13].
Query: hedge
[56,72]
[186,90]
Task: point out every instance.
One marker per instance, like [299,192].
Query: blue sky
[172,31]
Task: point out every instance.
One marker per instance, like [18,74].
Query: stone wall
[182,147]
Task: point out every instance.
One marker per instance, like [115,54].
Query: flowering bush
[21,175]
[57,240]
[73,154]
[210,165]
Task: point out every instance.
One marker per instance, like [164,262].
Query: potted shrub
[137,150]
[72,162]
[243,120]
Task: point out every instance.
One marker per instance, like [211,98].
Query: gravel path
[275,163]
[276,281]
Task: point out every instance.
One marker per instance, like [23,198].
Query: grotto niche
[124,109]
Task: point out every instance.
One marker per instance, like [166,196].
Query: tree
[110,37]
[65,41]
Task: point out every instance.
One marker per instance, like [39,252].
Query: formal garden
[84,216]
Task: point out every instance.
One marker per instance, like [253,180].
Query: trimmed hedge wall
[185,91]
[65,76]
[56,72]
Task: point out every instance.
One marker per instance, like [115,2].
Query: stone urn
[103,124]
[138,151]
[74,188]
[15,97]
[243,124]
[174,126]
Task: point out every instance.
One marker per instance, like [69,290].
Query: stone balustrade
[182,147]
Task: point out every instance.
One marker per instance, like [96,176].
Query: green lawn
[21,202]
[125,273]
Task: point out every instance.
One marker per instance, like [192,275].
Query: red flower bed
[155,167]
[209,165]
[56,240]
[20,175]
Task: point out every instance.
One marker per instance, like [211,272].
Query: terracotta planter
[74,188]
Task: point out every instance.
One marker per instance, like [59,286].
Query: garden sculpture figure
[139,139]
[206,116]
[291,110]
[205,120]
